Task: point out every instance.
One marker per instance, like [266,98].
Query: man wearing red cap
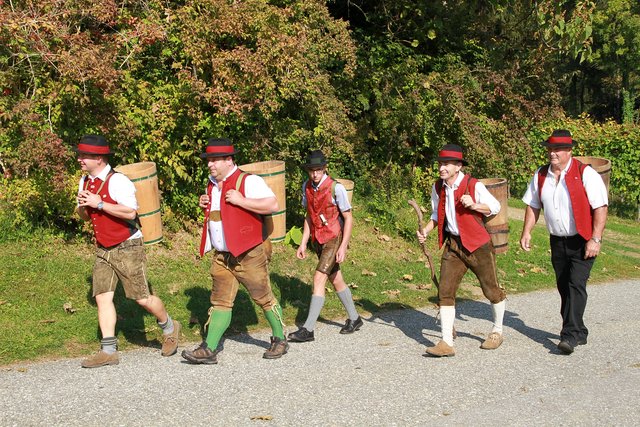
[575,203]
[108,200]
[233,205]
[458,204]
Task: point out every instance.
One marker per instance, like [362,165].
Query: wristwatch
[597,239]
[100,206]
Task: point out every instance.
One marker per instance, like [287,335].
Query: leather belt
[215,216]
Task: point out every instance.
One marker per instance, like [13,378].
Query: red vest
[582,212]
[108,229]
[319,202]
[473,234]
[242,229]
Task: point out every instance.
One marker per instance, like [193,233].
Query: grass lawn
[46,308]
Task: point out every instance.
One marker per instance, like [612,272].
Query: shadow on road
[482,310]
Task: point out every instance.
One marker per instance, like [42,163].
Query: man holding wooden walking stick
[458,204]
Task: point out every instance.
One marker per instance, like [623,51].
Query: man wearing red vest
[575,203]
[458,204]
[328,223]
[108,200]
[233,206]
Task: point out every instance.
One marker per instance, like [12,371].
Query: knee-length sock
[317,302]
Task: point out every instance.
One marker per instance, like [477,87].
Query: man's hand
[234,197]
[422,235]
[88,199]
[466,201]
[525,242]
[204,201]
[301,253]
[592,249]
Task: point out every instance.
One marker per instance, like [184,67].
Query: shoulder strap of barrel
[333,193]
[470,188]
[438,186]
[241,177]
[133,223]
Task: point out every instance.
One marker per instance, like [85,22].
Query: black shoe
[201,355]
[301,335]
[582,341]
[352,326]
[566,347]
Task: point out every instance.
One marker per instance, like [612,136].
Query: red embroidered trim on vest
[242,229]
[473,234]
[581,209]
[108,230]
[319,202]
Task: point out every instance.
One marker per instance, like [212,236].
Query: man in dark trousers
[575,203]
[108,200]
[458,204]
[328,223]
[233,227]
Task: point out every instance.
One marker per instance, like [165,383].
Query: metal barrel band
[142,178]
[149,213]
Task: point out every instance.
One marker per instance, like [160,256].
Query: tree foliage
[379,85]
[158,78]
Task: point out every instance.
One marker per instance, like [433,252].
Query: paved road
[376,377]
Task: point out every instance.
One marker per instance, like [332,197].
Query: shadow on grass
[130,317]
[198,305]
[295,293]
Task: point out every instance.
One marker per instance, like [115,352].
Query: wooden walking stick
[421,225]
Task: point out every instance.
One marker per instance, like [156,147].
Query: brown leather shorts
[250,269]
[455,262]
[327,255]
[126,262]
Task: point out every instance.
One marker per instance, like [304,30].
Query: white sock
[447,316]
[498,316]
